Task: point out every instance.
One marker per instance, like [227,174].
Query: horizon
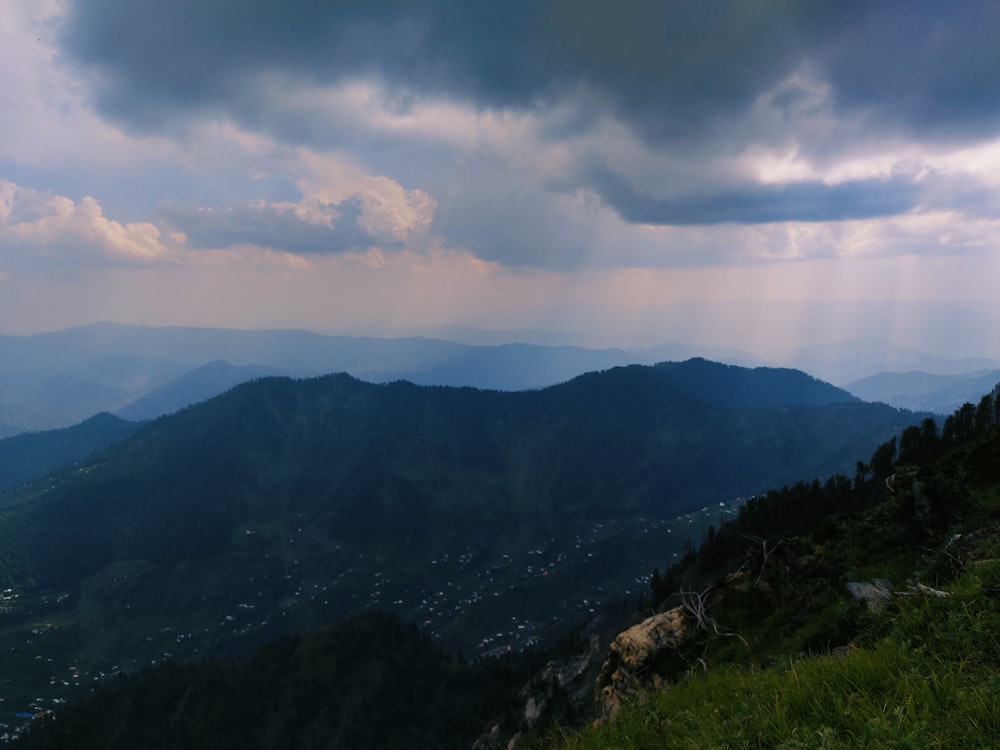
[839,363]
[617,177]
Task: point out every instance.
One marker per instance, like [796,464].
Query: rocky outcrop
[634,656]
[562,690]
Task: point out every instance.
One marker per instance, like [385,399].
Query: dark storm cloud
[695,79]
[665,67]
[926,67]
[761,204]
[271,226]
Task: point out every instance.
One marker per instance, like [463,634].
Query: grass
[932,681]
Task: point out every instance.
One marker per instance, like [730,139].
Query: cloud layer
[417,148]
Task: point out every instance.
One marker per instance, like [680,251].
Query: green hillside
[785,658]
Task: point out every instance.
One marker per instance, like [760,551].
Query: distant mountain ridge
[31,455]
[849,361]
[198,385]
[941,394]
[57,379]
[60,378]
[742,388]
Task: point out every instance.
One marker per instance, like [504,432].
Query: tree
[949,433]
[861,474]
[883,458]
[984,414]
[910,445]
[929,437]
[965,419]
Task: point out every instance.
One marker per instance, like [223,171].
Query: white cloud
[42,228]
[390,213]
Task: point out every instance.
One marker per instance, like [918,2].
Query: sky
[763,175]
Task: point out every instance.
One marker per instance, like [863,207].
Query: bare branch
[696,605]
[928,591]
[766,552]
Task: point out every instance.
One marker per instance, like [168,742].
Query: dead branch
[928,591]
[765,551]
[696,605]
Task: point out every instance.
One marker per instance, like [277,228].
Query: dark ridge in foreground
[370,681]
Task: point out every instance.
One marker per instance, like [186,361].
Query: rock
[876,593]
[632,658]
[562,686]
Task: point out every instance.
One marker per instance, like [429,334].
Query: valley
[474,602]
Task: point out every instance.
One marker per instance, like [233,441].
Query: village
[481,603]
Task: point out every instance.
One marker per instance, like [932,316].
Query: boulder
[631,666]
[562,687]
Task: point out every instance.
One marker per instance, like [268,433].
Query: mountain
[511,367]
[31,455]
[418,461]
[58,379]
[674,352]
[62,378]
[734,387]
[867,621]
[851,360]
[489,518]
[200,384]
[940,394]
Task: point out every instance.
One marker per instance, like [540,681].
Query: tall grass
[933,681]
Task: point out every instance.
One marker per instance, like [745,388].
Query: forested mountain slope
[32,454]
[489,518]
[428,467]
[366,682]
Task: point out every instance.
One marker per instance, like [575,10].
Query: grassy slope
[933,681]
[925,673]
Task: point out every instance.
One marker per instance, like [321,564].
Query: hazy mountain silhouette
[33,454]
[941,394]
[198,385]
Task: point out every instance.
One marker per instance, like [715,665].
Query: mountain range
[490,518]
[58,379]
[839,614]
[923,391]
